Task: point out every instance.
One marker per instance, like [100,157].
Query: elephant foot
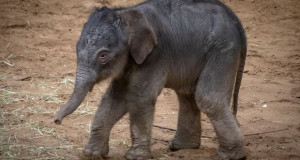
[176,145]
[236,153]
[94,152]
[138,154]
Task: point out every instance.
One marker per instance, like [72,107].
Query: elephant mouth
[91,89]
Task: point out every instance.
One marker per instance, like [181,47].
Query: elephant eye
[103,57]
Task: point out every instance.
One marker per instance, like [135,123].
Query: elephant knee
[214,105]
[206,105]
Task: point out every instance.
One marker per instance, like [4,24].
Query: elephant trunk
[83,84]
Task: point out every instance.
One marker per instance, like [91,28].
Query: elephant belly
[183,79]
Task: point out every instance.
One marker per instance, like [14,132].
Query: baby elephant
[196,47]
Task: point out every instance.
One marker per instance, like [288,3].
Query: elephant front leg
[141,120]
[188,126]
[111,109]
[144,88]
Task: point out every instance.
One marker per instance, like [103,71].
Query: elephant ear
[141,37]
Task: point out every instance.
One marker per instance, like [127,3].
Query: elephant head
[108,40]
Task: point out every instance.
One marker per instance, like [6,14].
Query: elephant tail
[240,71]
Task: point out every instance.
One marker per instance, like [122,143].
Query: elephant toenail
[96,153]
[129,157]
[87,152]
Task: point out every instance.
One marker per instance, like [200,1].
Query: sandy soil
[37,51]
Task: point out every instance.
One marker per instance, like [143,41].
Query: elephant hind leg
[213,95]
[188,126]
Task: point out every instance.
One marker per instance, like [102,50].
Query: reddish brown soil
[37,51]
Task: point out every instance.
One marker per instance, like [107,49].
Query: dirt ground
[37,65]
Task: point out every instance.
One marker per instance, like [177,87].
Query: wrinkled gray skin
[197,48]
